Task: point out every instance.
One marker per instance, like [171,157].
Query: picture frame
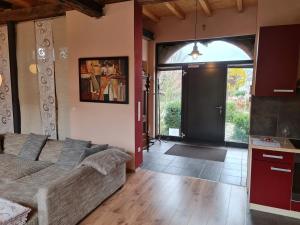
[104,79]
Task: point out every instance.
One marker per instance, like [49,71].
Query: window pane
[170,102]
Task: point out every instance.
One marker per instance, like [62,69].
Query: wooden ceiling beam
[150,15]
[145,2]
[20,3]
[205,6]
[5,5]
[110,1]
[33,13]
[175,9]
[239,4]
[88,7]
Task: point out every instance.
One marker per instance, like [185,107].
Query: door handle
[220,108]
[280,170]
[273,156]
[283,91]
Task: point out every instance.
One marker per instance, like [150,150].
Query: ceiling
[180,8]
[22,10]
[17,4]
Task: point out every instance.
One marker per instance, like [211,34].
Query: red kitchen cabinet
[273,156]
[271,184]
[277,60]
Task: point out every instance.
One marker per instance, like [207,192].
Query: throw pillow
[33,146]
[72,151]
[106,161]
[13,143]
[92,150]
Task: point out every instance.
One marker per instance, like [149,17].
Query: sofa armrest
[69,199]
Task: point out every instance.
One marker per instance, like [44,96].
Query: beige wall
[61,76]
[227,22]
[112,35]
[145,50]
[28,82]
[278,12]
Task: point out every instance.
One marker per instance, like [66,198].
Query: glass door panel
[239,81]
[169,102]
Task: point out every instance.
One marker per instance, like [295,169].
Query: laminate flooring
[153,198]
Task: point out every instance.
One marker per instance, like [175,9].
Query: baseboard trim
[277,211]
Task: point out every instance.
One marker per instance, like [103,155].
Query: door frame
[182,66]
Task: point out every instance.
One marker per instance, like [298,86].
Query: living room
[75,130]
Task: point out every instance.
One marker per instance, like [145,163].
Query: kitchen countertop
[285,144]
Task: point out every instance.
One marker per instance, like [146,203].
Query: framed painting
[104,79]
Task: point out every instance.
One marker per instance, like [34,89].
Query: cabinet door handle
[273,156]
[280,170]
[283,90]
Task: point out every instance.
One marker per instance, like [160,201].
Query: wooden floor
[152,198]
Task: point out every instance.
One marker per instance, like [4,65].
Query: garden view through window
[170,88]
[237,120]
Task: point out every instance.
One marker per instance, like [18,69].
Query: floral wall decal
[46,76]
[6,112]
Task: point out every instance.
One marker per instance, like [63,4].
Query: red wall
[138,34]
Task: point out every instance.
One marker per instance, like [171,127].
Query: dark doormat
[207,153]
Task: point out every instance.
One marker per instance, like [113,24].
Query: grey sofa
[56,195]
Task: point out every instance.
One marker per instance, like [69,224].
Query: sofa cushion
[14,142]
[106,161]
[72,151]
[51,151]
[92,150]
[21,193]
[45,176]
[33,146]
[13,167]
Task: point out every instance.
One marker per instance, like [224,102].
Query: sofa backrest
[13,143]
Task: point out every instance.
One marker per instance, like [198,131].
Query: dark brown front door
[204,97]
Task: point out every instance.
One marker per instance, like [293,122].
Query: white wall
[278,12]
[111,35]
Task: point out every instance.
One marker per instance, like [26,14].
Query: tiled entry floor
[232,171]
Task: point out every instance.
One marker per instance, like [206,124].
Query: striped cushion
[72,151]
[51,151]
[13,143]
[33,146]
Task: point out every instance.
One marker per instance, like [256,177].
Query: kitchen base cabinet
[271,184]
[274,176]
